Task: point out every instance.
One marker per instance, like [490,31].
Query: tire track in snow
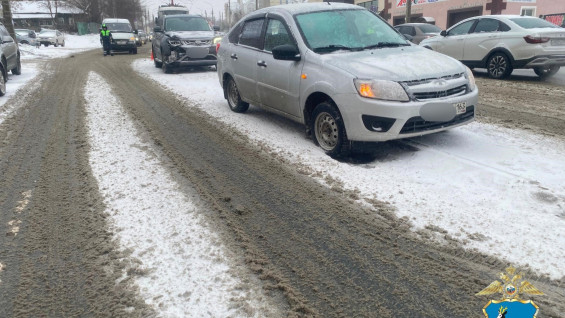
[178,262]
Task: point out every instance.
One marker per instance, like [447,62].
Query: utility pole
[408,11]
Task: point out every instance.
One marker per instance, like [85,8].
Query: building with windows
[445,13]
[36,15]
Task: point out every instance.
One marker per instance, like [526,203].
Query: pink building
[446,13]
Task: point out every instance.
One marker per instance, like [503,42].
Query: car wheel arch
[499,50]
[313,100]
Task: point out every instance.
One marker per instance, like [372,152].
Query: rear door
[278,81]
[485,37]
[243,58]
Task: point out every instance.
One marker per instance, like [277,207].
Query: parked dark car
[9,58]
[418,31]
[183,40]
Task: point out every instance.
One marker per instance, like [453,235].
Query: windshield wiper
[333,48]
[384,44]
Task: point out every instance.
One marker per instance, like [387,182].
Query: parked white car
[344,73]
[51,37]
[502,43]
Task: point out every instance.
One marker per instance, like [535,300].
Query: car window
[118,27]
[330,31]
[411,30]
[531,23]
[233,37]
[503,27]
[3,31]
[186,24]
[276,34]
[462,28]
[428,28]
[486,25]
[251,33]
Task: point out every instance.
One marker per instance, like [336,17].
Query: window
[71,21]
[61,20]
[251,33]
[276,35]
[533,23]
[234,34]
[486,25]
[528,11]
[186,24]
[462,28]
[3,31]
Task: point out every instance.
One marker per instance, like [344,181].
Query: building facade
[445,13]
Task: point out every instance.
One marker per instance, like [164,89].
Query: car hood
[396,64]
[121,36]
[192,35]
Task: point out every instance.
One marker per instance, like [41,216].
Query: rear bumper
[545,60]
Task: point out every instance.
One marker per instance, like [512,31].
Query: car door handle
[234,56]
[262,63]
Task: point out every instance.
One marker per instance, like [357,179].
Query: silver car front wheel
[234,99]
[329,130]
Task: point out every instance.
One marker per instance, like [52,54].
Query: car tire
[63,44]
[24,42]
[499,66]
[157,63]
[56,44]
[46,44]
[18,69]
[135,51]
[328,130]
[234,98]
[545,72]
[2,82]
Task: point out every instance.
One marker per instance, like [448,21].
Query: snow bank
[496,190]
[73,44]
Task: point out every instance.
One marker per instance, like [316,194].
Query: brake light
[217,47]
[536,39]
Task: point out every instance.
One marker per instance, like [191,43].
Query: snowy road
[135,202]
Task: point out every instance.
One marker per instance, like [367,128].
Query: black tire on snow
[545,72]
[328,130]
[2,82]
[157,63]
[234,98]
[18,69]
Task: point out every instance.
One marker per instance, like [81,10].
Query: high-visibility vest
[105,32]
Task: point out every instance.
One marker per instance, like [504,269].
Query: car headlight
[174,42]
[381,89]
[471,79]
[217,40]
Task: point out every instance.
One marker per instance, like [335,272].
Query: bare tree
[7,16]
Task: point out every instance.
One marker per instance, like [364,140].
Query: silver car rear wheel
[545,72]
[2,83]
[234,99]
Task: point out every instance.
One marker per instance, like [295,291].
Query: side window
[463,28]
[411,31]
[401,29]
[233,37]
[503,27]
[251,33]
[3,31]
[277,34]
[486,25]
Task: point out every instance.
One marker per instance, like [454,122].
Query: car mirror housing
[286,52]
[443,33]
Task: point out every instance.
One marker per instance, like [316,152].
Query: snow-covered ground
[73,44]
[496,190]
[188,271]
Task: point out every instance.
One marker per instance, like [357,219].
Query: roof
[31,16]
[112,20]
[298,8]
[37,7]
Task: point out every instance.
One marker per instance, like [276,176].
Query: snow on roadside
[188,272]
[496,190]
[14,84]
[73,44]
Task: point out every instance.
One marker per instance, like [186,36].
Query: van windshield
[119,27]
[346,30]
[186,24]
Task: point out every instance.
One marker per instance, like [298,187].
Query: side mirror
[157,29]
[443,33]
[216,28]
[286,52]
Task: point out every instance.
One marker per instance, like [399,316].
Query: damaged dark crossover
[184,40]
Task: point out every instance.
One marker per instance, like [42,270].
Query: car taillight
[536,39]
[217,47]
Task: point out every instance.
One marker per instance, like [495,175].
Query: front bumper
[122,46]
[401,120]
[186,55]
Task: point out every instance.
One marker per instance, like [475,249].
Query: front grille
[429,80]
[418,124]
[459,90]
[196,42]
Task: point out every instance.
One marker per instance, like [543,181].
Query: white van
[123,36]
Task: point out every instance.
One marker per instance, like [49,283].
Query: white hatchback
[502,43]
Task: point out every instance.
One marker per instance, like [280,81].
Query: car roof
[182,15]
[112,20]
[298,8]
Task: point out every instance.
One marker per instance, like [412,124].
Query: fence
[88,27]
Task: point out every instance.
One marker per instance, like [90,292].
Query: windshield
[530,23]
[48,33]
[186,24]
[119,27]
[171,12]
[329,31]
[428,28]
[22,32]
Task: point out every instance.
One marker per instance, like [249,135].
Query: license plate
[122,42]
[460,108]
[558,42]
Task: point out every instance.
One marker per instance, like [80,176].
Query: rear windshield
[119,27]
[171,12]
[428,28]
[531,23]
[49,33]
[186,24]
